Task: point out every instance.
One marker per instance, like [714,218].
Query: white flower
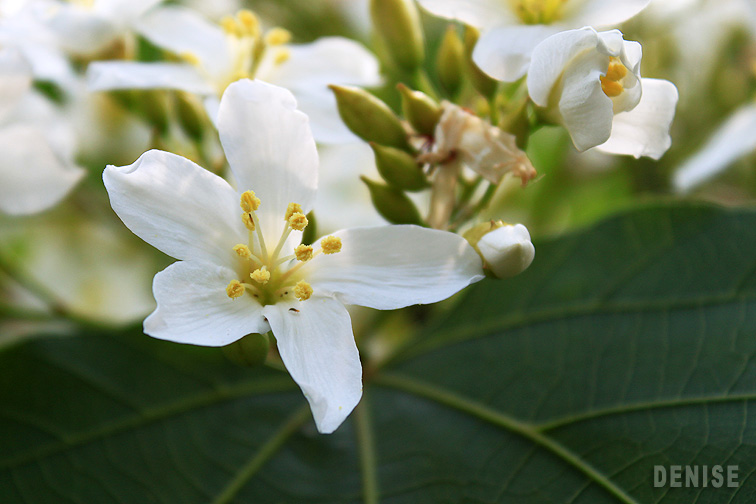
[733,140]
[513,28]
[506,249]
[243,271]
[590,82]
[36,167]
[216,57]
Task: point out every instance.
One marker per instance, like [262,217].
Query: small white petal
[604,13]
[392,267]
[183,31]
[477,13]
[317,346]
[79,30]
[551,57]
[177,207]
[15,79]
[124,12]
[644,130]
[732,140]
[320,107]
[193,306]
[270,149]
[507,250]
[505,52]
[103,76]
[32,176]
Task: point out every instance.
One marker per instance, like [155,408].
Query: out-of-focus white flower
[216,57]
[733,140]
[36,167]
[590,82]
[246,272]
[464,140]
[513,28]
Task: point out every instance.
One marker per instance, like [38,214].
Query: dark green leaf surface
[624,346]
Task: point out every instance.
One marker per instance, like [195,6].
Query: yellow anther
[303,290]
[298,221]
[616,71]
[282,56]
[260,276]
[611,88]
[277,36]
[249,22]
[243,251]
[249,202]
[230,26]
[235,289]
[292,209]
[190,58]
[330,244]
[303,252]
[249,223]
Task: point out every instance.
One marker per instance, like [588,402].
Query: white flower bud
[507,250]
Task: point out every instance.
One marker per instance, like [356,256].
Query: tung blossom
[215,56]
[244,270]
[590,82]
[513,28]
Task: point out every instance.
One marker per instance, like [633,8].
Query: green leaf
[628,345]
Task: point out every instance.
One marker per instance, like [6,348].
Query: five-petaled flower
[244,270]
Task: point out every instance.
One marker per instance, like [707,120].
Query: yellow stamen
[190,58]
[248,221]
[229,26]
[249,202]
[260,276]
[282,56]
[611,88]
[303,290]
[235,289]
[303,252]
[330,244]
[277,36]
[292,209]
[298,221]
[243,251]
[616,71]
[249,22]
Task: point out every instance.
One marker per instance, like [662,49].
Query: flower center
[538,11]
[249,47]
[268,276]
[611,83]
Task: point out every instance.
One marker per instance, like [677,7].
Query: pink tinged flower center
[267,274]
[611,83]
[250,48]
[538,11]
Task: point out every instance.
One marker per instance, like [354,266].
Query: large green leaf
[624,346]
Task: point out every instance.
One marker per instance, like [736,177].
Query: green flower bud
[369,118]
[249,351]
[398,168]
[450,62]
[420,110]
[392,204]
[397,23]
[482,82]
[506,249]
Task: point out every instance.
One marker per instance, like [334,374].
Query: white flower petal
[177,207]
[508,250]
[605,13]
[477,13]
[587,112]
[505,52]
[124,11]
[270,149]
[32,177]
[320,107]
[552,56]
[644,130]
[317,346]
[103,76]
[15,80]
[391,267]
[183,31]
[193,306]
[80,30]
[329,60]
[732,140]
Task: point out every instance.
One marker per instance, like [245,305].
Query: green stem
[368,459]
